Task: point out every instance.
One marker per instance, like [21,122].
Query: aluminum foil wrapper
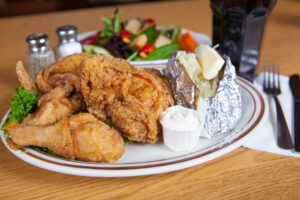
[223,110]
[184,90]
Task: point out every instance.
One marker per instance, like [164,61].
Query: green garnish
[163,72]
[23,103]
[94,49]
[151,34]
[108,30]
[176,34]
[111,124]
[127,141]
[46,150]
[112,27]
[117,22]
[132,56]
[132,37]
[163,31]
[163,52]
[106,21]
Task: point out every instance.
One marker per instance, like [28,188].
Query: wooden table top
[241,174]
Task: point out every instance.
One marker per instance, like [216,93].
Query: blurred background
[10,8]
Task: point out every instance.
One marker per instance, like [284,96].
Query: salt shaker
[39,55]
[68,43]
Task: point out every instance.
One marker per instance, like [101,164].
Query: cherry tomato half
[147,48]
[93,39]
[125,33]
[149,21]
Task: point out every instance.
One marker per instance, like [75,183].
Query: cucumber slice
[87,48]
[101,50]
[94,49]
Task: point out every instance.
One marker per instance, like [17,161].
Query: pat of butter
[181,127]
[210,61]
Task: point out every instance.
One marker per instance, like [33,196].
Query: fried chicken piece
[55,105]
[63,71]
[24,77]
[164,82]
[81,136]
[131,98]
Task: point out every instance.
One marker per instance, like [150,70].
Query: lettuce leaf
[23,103]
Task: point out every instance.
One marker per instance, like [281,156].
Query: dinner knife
[295,86]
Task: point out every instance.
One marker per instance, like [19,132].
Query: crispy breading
[24,78]
[131,98]
[63,71]
[81,136]
[55,105]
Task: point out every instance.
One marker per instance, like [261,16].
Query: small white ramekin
[182,140]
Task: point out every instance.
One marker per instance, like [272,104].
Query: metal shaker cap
[38,42]
[67,33]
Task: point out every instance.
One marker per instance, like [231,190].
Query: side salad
[137,39]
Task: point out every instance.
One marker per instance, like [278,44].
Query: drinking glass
[238,27]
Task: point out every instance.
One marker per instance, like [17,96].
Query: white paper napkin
[264,139]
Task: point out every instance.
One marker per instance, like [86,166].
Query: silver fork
[271,86]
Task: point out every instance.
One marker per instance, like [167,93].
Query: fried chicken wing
[131,98]
[55,105]
[81,136]
[63,71]
[24,77]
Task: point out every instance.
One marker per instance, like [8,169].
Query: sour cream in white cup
[181,127]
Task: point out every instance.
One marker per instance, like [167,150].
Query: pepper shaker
[68,43]
[39,55]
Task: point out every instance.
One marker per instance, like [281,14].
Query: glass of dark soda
[238,27]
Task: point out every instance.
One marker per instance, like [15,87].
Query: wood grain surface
[241,174]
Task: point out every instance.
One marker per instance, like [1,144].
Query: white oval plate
[198,37]
[146,159]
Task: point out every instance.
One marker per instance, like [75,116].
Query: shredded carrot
[187,42]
